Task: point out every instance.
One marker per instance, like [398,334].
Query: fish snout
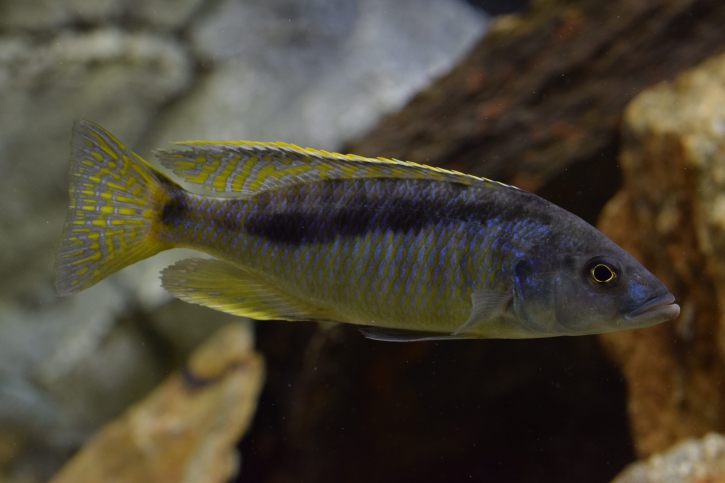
[657,309]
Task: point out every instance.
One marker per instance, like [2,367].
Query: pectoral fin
[225,287]
[487,305]
[398,335]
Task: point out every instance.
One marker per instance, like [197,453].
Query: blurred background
[613,110]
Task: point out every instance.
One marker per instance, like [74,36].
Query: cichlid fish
[411,251]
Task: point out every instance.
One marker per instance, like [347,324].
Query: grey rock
[691,461]
[36,433]
[275,32]
[31,415]
[45,14]
[164,14]
[62,371]
[76,355]
[315,73]
[52,339]
[123,367]
[38,15]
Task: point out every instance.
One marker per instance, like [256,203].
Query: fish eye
[602,273]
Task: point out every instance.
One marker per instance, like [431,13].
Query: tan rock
[186,429]
[692,461]
[670,214]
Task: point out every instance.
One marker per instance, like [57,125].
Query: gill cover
[535,298]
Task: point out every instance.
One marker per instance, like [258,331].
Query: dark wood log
[544,91]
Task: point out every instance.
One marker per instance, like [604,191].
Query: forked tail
[114,200]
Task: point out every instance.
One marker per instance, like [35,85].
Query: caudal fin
[113,195]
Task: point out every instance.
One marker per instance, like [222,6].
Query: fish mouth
[661,308]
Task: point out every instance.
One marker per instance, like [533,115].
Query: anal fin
[398,335]
[225,287]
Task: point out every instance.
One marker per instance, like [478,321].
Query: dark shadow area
[338,407]
[499,7]
[584,187]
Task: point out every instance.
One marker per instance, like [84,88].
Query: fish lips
[655,310]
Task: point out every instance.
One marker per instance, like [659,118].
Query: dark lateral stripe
[320,212]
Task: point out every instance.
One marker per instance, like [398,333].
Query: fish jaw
[655,310]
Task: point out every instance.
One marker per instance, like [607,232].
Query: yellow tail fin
[113,195]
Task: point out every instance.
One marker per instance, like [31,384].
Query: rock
[691,461]
[66,369]
[36,433]
[670,214]
[36,15]
[187,428]
[45,14]
[281,33]
[315,73]
[117,370]
[163,14]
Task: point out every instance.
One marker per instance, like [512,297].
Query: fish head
[589,292]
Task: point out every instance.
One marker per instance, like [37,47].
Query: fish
[405,251]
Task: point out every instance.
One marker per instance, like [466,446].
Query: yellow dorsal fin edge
[248,166]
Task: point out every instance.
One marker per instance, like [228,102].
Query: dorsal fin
[245,167]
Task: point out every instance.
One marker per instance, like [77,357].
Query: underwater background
[613,110]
